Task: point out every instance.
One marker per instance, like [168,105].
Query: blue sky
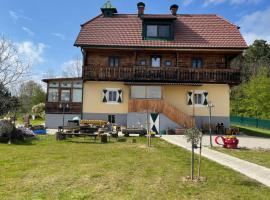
[45,31]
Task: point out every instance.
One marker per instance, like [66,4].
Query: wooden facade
[216,67]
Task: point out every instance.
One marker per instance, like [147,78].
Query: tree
[12,67]
[39,110]
[31,93]
[256,59]
[8,103]
[72,68]
[194,136]
[252,99]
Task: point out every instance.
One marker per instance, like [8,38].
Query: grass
[37,121]
[258,156]
[78,169]
[252,131]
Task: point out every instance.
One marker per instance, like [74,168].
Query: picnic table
[64,135]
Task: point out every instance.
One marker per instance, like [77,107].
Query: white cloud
[15,16]
[256,26]
[232,2]
[32,53]
[28,31]
[59,35]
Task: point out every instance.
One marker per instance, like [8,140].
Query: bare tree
[12,66]
[72,68]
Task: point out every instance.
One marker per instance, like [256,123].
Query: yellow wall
[92,98]
[176,95]
[219,95]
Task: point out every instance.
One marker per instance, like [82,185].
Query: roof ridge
[91,20]
[222,18]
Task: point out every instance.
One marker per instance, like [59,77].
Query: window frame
[144,87]
[108,94]
[160,61]
[197,59]
[114,59]
[48,98]
[196,92]
[158,24]
[165,63]
[67,89]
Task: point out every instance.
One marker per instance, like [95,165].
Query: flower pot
[229,142]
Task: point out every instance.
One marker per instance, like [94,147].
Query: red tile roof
[191,31]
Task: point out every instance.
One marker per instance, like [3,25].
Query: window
[111,119]
[155,61]
[168,63]
[113,61]
[77,84]
[153,92]
[112,96]
[66,84]
[146,92]
[53,95]
[198,98]
[158,31]
[77,95]
[196,63]
[142,62]
[65,95]
[54,84]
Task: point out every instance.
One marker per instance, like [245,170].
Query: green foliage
[256,59]
[252,99]
[193,135]
[8,103]
[6,129]
[39,110]
[31,93]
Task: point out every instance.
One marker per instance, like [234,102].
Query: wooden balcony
[161,74]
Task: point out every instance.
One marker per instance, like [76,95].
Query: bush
[6,130]
[9,132]
[39,110]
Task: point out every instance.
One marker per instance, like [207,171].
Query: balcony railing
[162,74]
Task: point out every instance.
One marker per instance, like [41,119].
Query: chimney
[141,7]
[174,9]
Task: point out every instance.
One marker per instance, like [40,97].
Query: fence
[246,121]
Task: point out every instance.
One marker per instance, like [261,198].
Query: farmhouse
[165,67]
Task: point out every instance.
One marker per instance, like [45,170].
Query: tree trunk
[200,155]
[192,160]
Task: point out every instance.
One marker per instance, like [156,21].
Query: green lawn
[78,169]
[252,131]
[260,157]
[37,121]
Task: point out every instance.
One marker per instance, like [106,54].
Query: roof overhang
[62,79]
[117,47]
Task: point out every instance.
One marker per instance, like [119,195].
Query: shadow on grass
[25,142]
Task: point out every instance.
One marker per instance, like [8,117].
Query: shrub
[39,110]
[8,132]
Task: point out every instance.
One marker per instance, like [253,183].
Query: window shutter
[104,96]
[189,98]
[205,101]
[120,96]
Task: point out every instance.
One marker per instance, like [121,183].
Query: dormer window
[162,31]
